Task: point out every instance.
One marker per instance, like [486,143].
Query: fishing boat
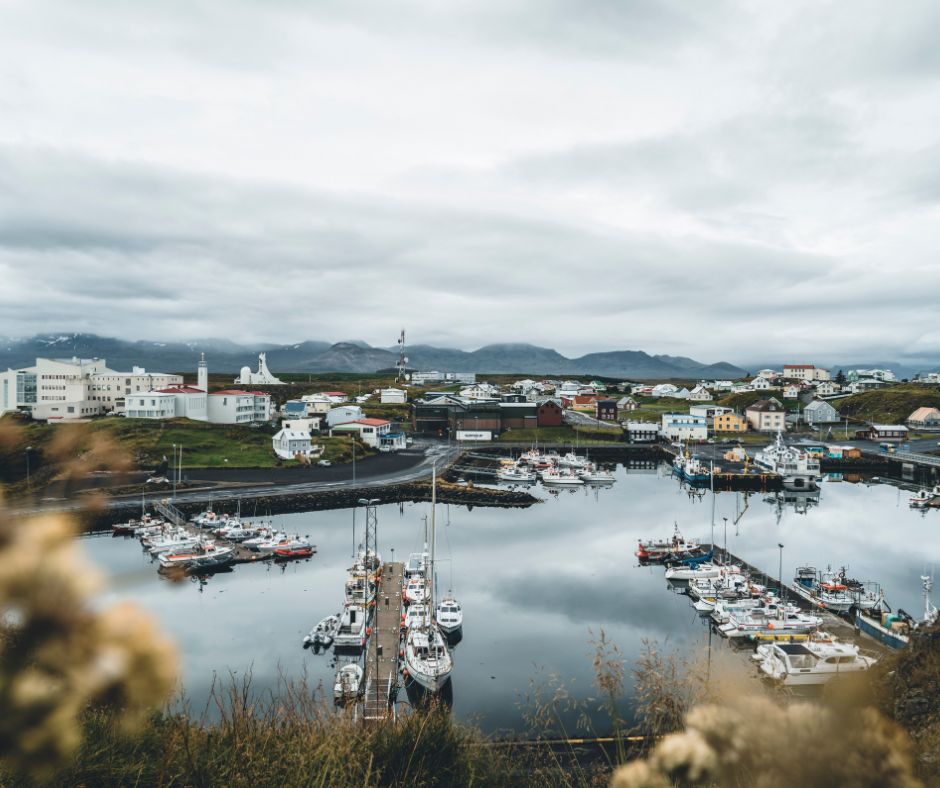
[895,629]
[351,632]
[594,475]
[449,614]
[427,659]
[822,589]
[572,460]
[517,474]
[690,467]
[414,615]
[811,662]
[288,553]
[265,536]
[204,555]
[924,497]
[559,477]
[347,684]
[798,469]
[283,543]
[175,540]
[321,636]
[656,551]
[773,619]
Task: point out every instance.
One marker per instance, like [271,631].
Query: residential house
[605,410]
[924,419]
[317,403]
[769,374]
[766,415]
[684,427]
[336,397]
[641,431]
[370,431]
[865,384]
[550,414]
[888,433]
[343,415]
[760,384]
[804,372]
[288,444]
[626,404]
[820,412]
[791,392]
[480,391]
[700,394]
[729,422]
[719,385]
[827,388]
[708,411]
[391,396]
[309,424]
[663,390]
[885,375]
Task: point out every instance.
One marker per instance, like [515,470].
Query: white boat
[517,474]
[415,591]
[594,475]
[822,589]
[285,542]
[417,564]
[351,632]
[449,614]
[814,661]
[694,572]
[774,620]
[799,469]
[264,536]
[923,497]
[347,684]
[559,477]
[202,556]
[321,636]
[174,542]
[414,615]
[572,460]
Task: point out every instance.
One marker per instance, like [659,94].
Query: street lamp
[781,570]
[173,471]
[726,537]
[28,450]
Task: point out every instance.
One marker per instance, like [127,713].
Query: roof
[292,434]
[231,393]
[896,427]
[372,422]
[765,406]
[180,390]
[335,393]
[799,366]
[923,413]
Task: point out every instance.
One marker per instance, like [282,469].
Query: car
[325,463]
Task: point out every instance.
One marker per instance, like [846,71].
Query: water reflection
[534,583]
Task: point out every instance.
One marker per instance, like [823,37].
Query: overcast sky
[736,181]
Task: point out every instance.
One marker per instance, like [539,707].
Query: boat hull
[874,629]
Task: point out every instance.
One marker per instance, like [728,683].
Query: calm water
[534,583]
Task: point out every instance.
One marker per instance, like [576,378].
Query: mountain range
[352,356]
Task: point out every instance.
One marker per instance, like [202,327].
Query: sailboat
[427,659]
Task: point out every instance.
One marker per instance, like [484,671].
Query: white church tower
[202,374]
[262,377]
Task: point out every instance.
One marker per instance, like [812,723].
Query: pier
[381,665]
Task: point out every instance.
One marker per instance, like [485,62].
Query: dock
[381,666]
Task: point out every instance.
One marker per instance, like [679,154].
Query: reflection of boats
[572,460]
[594,475]
[799,469]
[321,636]
[694,571]
[814,661]
[924,497]
[823,589]
[895,629]
[346,685]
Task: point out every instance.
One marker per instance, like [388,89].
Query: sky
[738,181]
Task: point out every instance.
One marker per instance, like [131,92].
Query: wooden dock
[381,668]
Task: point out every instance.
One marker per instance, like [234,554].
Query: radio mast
[402,358]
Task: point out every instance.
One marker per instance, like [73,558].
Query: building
[700,394]
[289,443]
[549,414]
[309,424]
[426,378]
[766,415]
[344,415]
[708,411]
[231,406]
[17,390]
[317,403]
[392,396]
[189,403]
[791,392]
[393,441]
[641,431]
[804,372]
[369,431]
[684,427]
[664,390]
[518,415]
[924,419]
[480,391]
[336,397]
[729,422]
[152,405]
[605,410]
[770,374]
[894,433]
[760,383]
[885,375]
[820,412]
[110,388]
[826,388]
[865,384]
[262,377]
[264,408]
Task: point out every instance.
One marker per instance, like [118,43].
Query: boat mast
[432,617]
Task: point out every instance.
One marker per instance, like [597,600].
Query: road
[425,457]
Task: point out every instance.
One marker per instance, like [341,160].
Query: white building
[151,405]
[878,374]
[760,383]
[684,427]
[17,390]
[317,403]
[641,431]
[700,394]
[769,374]
[287,444]
[231,406]
[791,392]
[424,378]
[309,424]
[663,390]
[826,388]
[480,391]
[110,388]
[804,372]
[190,402]
[63,388]
[393,396]
[370,431]
[344,415]
[709,412]
[262,377]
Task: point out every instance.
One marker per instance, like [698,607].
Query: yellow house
[730,422]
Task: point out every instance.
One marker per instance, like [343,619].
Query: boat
[287,553]
[265,535]
[895,629]
[351,632]
[204,555]
[559,477]
[321,636]
[572,460]
[822,589]
[773,619]
[924,497]
[415,590]
[414,615]
[283,543]
[812,662]
[656,551]
[594,475]
[798,469]
[449,614]
[347,684]
[175,541]
[427,659]
[696,569]
[690,467]
[516,474]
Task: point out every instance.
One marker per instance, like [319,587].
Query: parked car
[325,463]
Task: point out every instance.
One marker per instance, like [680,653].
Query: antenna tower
[402,358]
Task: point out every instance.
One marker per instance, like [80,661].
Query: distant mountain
[352,356]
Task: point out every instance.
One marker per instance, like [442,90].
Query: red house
[550,414]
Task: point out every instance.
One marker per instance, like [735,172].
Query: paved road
[441,455]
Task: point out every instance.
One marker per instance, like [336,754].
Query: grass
[891,405]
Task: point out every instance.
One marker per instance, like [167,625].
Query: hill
[890,405]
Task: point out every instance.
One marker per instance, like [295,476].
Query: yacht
[694,571]
[449,614]
[175,540]
[427,658]
[516,473]
[351,632]
[814,661]
[799,470]
[772,619]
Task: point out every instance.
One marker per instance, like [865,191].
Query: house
[804,372]
[820,412]
[369,431]
[700,394]
[729,422]
[768,373]
[288,444]
[480,391]
[865,384]
[626,404]
[924,419]
[294,409]
[343,415]
[886,432]
[234,406]
[605,410]
[766,415]
[760,384]
[152,405]
[826,388]
[663,390]
[720,385]
[582,402]
[682,393]
[684,427]
[309,424]
[392,396]
[641,431]
[393,441]
[317,403]
[336,397]
[885,375]
[791,392]
[708,411]
[549,414]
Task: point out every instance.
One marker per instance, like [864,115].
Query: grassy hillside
[740,401]
[889,405]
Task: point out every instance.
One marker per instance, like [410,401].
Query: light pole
[726,537]
[28,450]
[781,570]
[174,471]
